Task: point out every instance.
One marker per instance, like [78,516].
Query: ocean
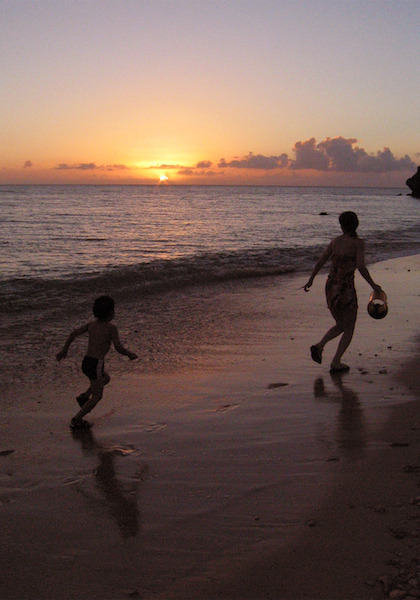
[61,246]
[155,237]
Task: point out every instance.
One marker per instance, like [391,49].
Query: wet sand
[244,472]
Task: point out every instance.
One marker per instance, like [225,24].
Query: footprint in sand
[273,386]
[123,451]
[226,407]
[6,452]
[148,427]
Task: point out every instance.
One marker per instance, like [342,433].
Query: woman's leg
[343,345]
[316,349]
[348,330]
[344,324]
[330,335]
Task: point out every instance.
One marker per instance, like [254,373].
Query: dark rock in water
[323,213]
[414,184]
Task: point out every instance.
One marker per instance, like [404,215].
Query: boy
[101,334]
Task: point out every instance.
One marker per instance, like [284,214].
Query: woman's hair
[349,222]
[103,307]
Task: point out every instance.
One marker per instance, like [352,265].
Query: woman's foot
[316,354]
[79,424]
[339,368]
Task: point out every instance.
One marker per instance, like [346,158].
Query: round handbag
[378,307]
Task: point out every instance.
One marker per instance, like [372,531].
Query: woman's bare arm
[321,262]
[361,266]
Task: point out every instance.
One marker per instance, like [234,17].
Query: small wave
[161,275]
[155,276]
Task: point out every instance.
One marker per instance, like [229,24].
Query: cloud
[79,167]
[193,171]
[308,156]
[90,167]
[384,162]
[164,166]
[28,164]
[340,155]
[204,164]
[117,168]
[332,155]
[256,161]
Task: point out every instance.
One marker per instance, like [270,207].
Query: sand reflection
[351,437]
[118,492]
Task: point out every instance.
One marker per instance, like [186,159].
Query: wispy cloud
[256,161]
[193,171]
[79,167]
[164,166]
[90,167]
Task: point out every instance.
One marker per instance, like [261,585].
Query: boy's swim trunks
[93,367]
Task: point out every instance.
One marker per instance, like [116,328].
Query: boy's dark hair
[349,222]
[103,307]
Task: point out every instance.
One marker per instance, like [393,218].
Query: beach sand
[240,469]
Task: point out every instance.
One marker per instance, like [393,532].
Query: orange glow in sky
[241,92]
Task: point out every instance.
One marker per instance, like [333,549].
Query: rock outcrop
[414,184]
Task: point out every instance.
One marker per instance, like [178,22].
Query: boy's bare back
[101,336]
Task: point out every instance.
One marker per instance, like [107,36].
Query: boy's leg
[84,396]
[96,387]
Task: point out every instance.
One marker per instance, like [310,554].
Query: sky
[250,92]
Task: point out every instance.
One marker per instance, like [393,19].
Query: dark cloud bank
[338,155]
[334,155]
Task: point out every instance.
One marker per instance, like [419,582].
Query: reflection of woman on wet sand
[347,252]
[351,435]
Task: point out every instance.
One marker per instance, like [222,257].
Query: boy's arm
[119,347]
[74,334]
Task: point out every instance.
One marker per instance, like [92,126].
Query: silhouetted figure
[101,334]
[346,252]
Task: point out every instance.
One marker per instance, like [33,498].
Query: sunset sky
[276,92]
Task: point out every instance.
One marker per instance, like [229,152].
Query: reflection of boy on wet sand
[102,333]
[122,504]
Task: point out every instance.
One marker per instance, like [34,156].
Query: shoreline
[213,482]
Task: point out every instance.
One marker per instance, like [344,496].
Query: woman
[346,252]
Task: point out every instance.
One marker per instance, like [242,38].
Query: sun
[163,179]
